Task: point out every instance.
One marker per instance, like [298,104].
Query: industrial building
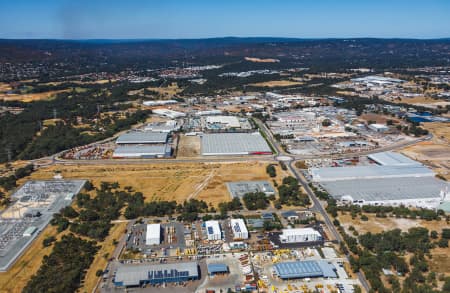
[142,137]
[220,144]
[368,172]
[133,275]
[305,269]
[378,127]
[392,159]
[300,235]
[213,230]
[159,102]
[239,229]
[219,121]
[217,269]
[240,188]
[153,234]
[142,151]
[168,113]
[166,126]
[420,192]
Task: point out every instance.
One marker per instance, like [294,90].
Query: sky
[175,19]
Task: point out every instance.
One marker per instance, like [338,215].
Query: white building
[298,235]
[168,113]
[213,230]
[239,229]
[378,127]
[159,102]
[223,121]
[153,234]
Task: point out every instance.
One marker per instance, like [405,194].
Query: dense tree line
[9,182]
[255,201]
[290,194]
[62,270]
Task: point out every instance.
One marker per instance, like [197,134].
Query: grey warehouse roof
[392,159]
[386,189]
[140,150]
[369,172]
[132,275]
[305,269]
[137,137]
[233,144]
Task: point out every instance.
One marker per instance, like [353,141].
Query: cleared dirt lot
[189,146]
[172,181]
[435,153]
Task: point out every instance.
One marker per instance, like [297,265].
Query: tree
[270,169]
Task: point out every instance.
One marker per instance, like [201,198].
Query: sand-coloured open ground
[434,153]
[170,181]
[276,83]
[188,146]
[31,97]
[259,60]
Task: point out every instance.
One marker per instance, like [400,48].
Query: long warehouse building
[132,275]
[300,235]
[142,137]
[305,269]
[222,144]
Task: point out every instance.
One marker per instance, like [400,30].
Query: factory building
[217,269]
[167,126]
[378,127]
[168,113]
[240,188]
[132,275]
[418,192]
[392,159]
[368,172]
[213,230]
[213,122]
[153,234]
[305,269]
[142,151]
[142,137]
[395,180]
[239,229]
[300,235]
[222,144]
[159,102]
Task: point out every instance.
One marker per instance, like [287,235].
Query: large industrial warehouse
[420,192]
[393,181]
[142,137]
[305,269]
[132,275]
[300,235]
[222,144]
[142,151]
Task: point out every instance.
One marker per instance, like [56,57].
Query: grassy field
[259,60]
[31,97]
[102,256]
[276,83]
[168,181]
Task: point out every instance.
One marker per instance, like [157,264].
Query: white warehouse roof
[137,137]
[300,231]
[213,230]
[239,228]
[229,121]
[140,151]
[153,234]
[392,159]
[369,172]
[234,144]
